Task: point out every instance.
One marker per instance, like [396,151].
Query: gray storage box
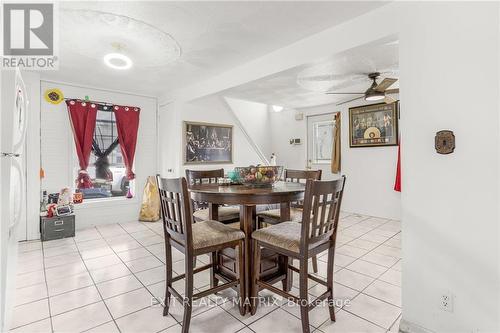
[57,227]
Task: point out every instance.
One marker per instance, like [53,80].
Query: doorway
[320,142]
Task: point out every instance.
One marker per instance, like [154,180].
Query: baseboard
[409,327]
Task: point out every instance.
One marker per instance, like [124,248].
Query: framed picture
[373,125]
[206,143]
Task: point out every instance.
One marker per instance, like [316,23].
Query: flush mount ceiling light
[277,108]
[117,61]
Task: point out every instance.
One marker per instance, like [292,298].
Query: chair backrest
[175,209]
[300,176]
[322,200]
[204,176]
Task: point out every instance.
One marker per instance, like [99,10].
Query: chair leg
[214,282]
[315,264]
[188,298]
[256,275]
[241,276]
[329,282]
[286,281]
[168,275]
[304,301]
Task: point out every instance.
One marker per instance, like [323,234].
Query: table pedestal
[273,267]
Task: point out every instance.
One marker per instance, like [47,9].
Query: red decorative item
[51,209]
[83,180]
[82,117]
[77,197]
[397,183]
[127,124]
[129,194]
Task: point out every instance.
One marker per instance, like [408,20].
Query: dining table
[248,198]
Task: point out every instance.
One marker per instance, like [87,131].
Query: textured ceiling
[213,37]
[348,69]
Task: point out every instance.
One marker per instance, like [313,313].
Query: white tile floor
[106,279]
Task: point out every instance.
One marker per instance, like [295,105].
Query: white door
[320,144]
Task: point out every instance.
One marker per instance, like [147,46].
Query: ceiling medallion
[146,45]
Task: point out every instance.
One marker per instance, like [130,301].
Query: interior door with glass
[320,144]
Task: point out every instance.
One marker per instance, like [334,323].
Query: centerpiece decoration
[258,176]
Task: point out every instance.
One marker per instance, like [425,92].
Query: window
[106,168]
[322,141]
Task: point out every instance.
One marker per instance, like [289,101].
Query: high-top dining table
[282,193]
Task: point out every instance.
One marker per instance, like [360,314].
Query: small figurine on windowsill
[272,161]
[65,197]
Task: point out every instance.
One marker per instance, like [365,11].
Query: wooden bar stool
[194,239]
[272,216]
[201,210]
[301,241]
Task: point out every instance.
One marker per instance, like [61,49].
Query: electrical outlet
[446,302]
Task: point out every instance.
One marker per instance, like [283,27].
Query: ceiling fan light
[374,96]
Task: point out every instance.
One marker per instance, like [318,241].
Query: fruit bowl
[258,176]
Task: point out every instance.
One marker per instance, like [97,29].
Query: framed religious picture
[373,125]
[206,143]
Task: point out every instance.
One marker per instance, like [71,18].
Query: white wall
[254,119]
[212,109]
[449,79]
[58,156]
[370,171]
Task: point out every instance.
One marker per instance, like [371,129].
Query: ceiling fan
[376,92]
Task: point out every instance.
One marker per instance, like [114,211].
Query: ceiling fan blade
[386,83]
[389,100]
[344,93]
[392,91]
[350,100]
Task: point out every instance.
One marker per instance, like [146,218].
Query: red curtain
[127,124]
[82,116]
[397,183]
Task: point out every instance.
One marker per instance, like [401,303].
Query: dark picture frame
[207,143]
[374,125]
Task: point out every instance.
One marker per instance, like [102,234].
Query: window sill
[106,202]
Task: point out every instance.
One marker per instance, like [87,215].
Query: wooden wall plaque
[445,142]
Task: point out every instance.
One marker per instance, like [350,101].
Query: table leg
[285,216]
[213,211]
[285,211]
[213,214]
[247,225]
